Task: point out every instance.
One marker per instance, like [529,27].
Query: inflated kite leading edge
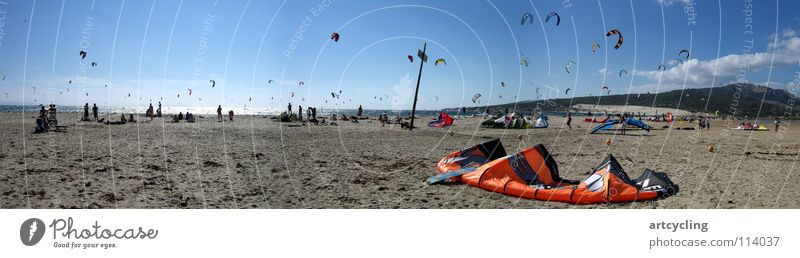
[533,174]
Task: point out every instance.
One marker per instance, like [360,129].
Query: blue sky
[160,49]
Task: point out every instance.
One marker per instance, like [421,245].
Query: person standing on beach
[94,111]
[219,113]
[289,109]
[149,112]
[569,120]
[314,113]
[43,113]
[360,111]
[158,112]
[85,112]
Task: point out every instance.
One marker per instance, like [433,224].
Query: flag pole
[416,93]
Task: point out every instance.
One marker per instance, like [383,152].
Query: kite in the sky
[292,94]
[662,67]
[595,46]
[682,52]
[335,37]
[551,14]
[440,61]
[623,71]
[476,98]
[527,16]
[70,81]
[605,87]
[4,75]
[568,66]
[213,83]
[567,91]
[502,84]
[523,61]
[410,58]
[301,84]
[34,88]
[94,64]
[190,92]
[83,54]
[619,40]
[270,81]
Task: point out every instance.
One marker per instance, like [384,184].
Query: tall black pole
[416,93]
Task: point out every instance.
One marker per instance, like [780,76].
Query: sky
[258,52]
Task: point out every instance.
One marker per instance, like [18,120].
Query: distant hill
[740,99]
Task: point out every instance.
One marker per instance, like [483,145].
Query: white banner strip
[398,233]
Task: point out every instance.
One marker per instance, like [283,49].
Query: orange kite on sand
[533,174]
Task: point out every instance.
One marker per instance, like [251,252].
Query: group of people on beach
[45,119]
[311,114]
[219,114]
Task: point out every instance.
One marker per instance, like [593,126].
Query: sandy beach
[254,162]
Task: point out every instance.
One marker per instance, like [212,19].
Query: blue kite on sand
[630,121]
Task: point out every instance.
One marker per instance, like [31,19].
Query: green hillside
[741,99]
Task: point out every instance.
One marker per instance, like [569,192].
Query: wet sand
[255,162]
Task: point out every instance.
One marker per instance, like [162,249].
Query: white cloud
[403,92]
[671,2]
[725,68]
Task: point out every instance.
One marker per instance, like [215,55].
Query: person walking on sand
[300,113]
[569,120]
[777,123]
[219,113]
[94,111]
[360,111]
